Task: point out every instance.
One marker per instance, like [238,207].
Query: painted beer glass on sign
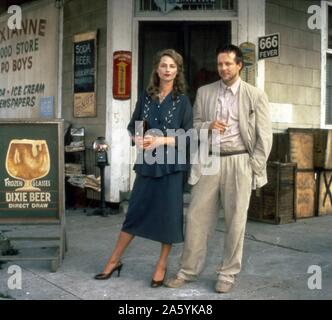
[28,160]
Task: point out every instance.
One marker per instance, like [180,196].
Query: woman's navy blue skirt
[156,208]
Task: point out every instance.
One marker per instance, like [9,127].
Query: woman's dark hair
[231,48]
[179,86]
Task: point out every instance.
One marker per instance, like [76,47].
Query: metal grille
[143,6]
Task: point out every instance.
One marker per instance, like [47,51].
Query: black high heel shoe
[105,276]
[158,283]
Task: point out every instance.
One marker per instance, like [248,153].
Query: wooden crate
[328,154]
[322,148]
[301,148]
[325,192]
[280,148]
[274,203]
[309,148]
[305,192]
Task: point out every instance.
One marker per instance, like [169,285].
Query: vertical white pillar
[119,37]
[58,113]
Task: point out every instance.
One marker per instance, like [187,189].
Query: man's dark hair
[231,48]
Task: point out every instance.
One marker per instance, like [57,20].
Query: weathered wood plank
[302,149]
[325,193]
[305,194]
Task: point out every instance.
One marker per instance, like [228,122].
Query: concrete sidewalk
[275,264]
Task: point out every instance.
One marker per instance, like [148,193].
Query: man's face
[228,69]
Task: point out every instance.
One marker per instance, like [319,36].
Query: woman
[156,207]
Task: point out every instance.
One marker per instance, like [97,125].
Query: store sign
[25,54]
[249,53]
[249,60]
[29,174]
[269,46]
[85,74]
[193,2]
[167,5]
[121,75]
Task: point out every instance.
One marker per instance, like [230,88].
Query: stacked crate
[301,152]
[274,203]
[307,153]
[323,165]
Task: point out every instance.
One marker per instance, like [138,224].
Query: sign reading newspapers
[269,46]
[28,62]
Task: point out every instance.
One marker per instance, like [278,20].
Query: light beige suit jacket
[255,126]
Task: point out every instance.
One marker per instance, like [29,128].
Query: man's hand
[219,125]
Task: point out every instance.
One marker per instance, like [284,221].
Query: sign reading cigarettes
[269,46]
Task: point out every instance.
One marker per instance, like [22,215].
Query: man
[239,113]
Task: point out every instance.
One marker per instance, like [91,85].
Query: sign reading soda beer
[121,75]
[29,173]
[85,73]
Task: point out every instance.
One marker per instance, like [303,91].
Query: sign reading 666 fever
[268,46]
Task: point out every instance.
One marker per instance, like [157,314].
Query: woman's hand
[152,142]
[148,142]
[139,142]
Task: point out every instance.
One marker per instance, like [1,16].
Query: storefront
[194,28]
[27,90]
[138,28]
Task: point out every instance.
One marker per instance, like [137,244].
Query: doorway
[196,41]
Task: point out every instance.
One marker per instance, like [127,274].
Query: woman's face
[167,69]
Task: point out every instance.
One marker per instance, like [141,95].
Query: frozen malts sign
[28,62]
[268,46]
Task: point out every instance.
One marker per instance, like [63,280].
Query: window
[328,110]
[165,6]
[195,40]
[326,87]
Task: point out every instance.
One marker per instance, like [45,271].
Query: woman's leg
[161,266]
[123,241]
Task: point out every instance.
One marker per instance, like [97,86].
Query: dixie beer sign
[29,170]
